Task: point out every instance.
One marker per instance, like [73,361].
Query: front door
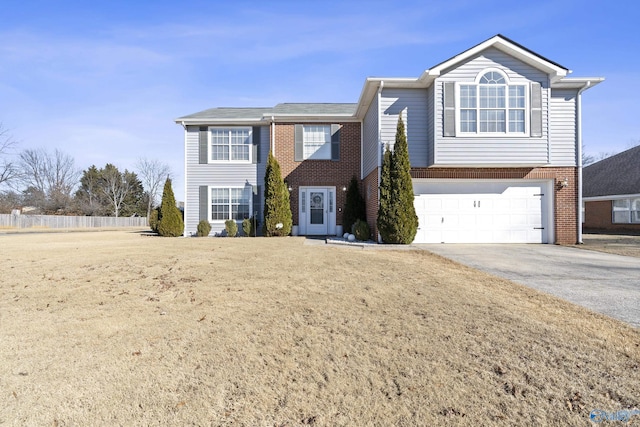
[317,217]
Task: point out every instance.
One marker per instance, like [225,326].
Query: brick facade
[565,199]
[325,173]
[598,217]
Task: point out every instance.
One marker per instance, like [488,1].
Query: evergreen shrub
[361,230]
[204,228]
[231,227]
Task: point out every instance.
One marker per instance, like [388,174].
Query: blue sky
[103,81]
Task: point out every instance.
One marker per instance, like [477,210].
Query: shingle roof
[306,109]
[229,113]
[294,109]
[619,174]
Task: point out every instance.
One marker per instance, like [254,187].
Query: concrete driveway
[606,283]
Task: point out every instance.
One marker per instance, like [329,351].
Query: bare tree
[120,187]
[8,170]
[53,175]
[153,173]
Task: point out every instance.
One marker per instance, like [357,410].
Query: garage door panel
[500,212]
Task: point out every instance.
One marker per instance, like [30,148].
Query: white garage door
[482,212]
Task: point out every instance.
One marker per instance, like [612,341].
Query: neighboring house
[493,134]
[611,193]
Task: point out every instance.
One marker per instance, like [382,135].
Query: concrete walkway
[606,283]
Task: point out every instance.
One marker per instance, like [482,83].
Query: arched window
[492,105]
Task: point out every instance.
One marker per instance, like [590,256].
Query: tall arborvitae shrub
[354,207]
[407,220]
[170,222]
[397,219]
[386,215]
[277,209]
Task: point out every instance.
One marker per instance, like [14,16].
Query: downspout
[273,136]
[379,147]
[579,154]
[184,232]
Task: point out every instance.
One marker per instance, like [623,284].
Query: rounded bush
[361,230]
[231,227]
[204,228]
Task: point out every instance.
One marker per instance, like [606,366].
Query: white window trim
[221,221]
[628,211]
[250,129]
[506,134]
[326,143]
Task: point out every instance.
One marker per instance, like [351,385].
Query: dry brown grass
[619,244]
[117,328]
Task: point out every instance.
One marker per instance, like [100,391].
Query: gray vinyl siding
[370,139]
[562,127]
[413,104]
[460,150]
[218,175]
[430,124]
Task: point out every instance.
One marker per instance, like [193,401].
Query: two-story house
[494,138]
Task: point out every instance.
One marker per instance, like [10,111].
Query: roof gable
[502,43]
[616,175]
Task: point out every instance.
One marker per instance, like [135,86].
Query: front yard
[121,328]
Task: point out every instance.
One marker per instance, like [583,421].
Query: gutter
[579,155]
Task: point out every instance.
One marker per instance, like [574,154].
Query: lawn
[122,328]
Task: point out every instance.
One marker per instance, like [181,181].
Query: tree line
[48,182]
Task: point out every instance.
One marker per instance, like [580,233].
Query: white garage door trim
[484,211]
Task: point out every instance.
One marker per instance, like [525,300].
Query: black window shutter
[536,109]
[449,128]
[335,142]
[255,135]
[203,142]
[256,201]
[298,150]
[204,203]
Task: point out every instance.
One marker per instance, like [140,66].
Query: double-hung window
[626,211]
[317,142]
[230,144]
[492,106]
[230,203]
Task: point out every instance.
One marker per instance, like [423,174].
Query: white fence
[58,221]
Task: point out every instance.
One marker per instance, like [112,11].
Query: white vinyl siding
[481,150]
[220,174]
[562,127]
[413,104]
[370,138]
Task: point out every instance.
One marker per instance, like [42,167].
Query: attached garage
[495,211]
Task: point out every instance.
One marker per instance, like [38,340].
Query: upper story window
[317,142]
[230,144]
[492,106]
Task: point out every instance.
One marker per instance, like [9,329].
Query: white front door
[317,211]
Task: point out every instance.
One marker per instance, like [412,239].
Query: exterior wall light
[564,183]
[344,188]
